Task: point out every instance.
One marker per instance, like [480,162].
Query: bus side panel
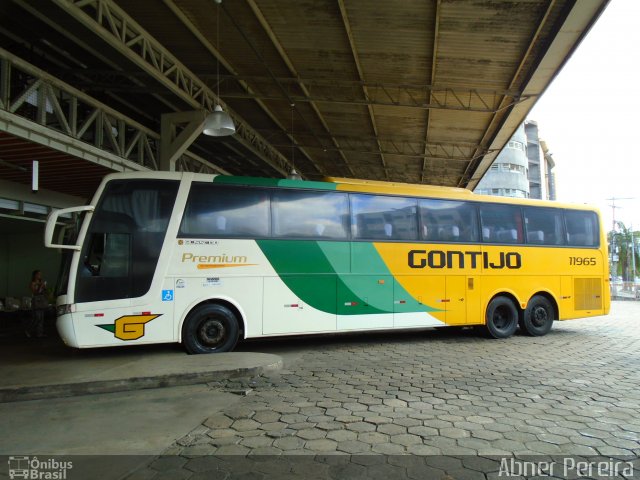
[426,289]
[365,302]
[245,293]
[522,287]
[225,269]
[287,312]
[114,323]
[566,300]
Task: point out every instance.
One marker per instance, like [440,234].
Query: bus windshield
[124,240]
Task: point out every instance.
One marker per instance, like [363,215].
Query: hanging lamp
[218,123]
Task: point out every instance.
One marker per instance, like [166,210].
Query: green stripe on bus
[365,259]
[273,182]
[307,268]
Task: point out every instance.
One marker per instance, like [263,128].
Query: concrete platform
[45,368]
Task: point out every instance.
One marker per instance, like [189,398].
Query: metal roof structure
[416,91]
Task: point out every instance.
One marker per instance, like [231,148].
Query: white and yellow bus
[205,260]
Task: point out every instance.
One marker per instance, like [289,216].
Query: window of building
[516,145]
[377,217]
[512,167]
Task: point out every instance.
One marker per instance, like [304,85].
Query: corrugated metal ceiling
[419,91]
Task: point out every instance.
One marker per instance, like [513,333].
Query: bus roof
[356,185]
[392,188]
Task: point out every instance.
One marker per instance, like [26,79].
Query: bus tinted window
[307,214]
[214,211]
[448,221]
[582,228]
[544,226]
[376,217]
[125,239]
[501,223]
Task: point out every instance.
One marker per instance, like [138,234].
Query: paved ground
[573,392]
[453,400]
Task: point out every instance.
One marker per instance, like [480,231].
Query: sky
[590,117]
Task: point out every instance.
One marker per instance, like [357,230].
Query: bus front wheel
[210,329]
[502,318]
[538,316]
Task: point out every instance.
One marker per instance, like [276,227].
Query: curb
[65,390]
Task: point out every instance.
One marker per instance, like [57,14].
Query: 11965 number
[582,261]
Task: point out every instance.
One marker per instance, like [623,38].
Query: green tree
[622,240]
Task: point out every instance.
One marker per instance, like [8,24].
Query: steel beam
[174,143]
[404,147]
[285,58]
[119,30]
[420,96]
[439,100]
[434,57]
[50,112]
[496,119]
[220,58]
[430,152]
[365,90]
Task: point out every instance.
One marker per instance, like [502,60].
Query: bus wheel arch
[212,326]
[501,316]
[540,313]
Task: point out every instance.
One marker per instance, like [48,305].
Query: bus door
[462,300]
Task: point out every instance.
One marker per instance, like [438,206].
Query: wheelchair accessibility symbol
[167,295]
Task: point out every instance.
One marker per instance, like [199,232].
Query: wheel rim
[212,332]
[502,318]
[539,317]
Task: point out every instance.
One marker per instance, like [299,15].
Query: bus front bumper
[65,328]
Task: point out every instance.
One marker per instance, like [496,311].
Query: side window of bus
[582,228]
[544,226]
[308,214]
[377,217]
[448,221]
[216,211]
[501,223]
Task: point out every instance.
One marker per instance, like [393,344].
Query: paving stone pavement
[456,402]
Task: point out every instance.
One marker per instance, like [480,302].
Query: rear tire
[501,318]
[538,316]
[210,328]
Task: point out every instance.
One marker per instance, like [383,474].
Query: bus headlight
[63,309]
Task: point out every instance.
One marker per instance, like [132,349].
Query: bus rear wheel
[502,318]
[538,316]
[210,329]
